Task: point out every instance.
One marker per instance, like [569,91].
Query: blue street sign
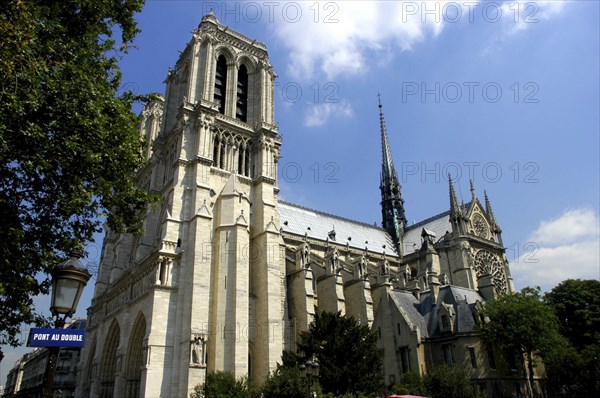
[41,337]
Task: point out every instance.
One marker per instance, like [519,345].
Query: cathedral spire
[492,218]
[454,207]
[392,204]
[457,212]
[386,154]
[488,208]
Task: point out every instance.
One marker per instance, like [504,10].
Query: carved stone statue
[198,350]
[305,256]
[445,280]
[333,262]
[361,268]
[406,275]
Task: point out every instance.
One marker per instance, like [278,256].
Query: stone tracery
[488,263]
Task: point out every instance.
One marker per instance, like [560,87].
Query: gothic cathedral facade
[225,275]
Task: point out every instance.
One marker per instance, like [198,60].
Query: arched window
[220,83]
[241,109]
[216,150]
[247,160]
[241,150]
[89,371]
[222,158]
[109,362]
[162,272]
[135,358]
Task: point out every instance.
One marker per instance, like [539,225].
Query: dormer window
[473,357]
[445,322]
[241,108]
[220,84]
[446,318]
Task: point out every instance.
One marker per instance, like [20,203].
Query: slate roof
[462,293]
[300,218]
[424,315]
[439,224]
[464,301]
[409,304]
[297,219]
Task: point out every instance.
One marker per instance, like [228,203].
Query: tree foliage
[286,382]
[574,369]
[223,384]
[441,382]
[69,144]
[576,303]
[347,353]
[410,384]
[450,382]
[523,324]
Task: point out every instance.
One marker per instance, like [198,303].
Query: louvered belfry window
[221,83]
[242,95]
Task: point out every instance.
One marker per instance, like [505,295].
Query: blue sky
[505,93]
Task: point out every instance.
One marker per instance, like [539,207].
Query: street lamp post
[68,280]
[310,370]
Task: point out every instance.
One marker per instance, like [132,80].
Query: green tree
[286,382]
[576,303]
[347,353]
[523,324]
[223,384]
[450,382]
[410,384]
[68,142]
[574,369]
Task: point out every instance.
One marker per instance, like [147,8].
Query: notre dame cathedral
[225,275]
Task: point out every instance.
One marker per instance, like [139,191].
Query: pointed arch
[247,151]
[240,163]
[247,61]
[89,373]
[223,153]
[248,89]
[216,150]
[219,96]
[108,363]
[135,358]
[241,105]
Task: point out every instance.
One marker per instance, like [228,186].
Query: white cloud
[516,16]
[317,115]
[571,226]
[333,38]
[562,248]
[520,15]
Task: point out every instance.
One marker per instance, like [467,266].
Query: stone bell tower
[219,107]
[202,288]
